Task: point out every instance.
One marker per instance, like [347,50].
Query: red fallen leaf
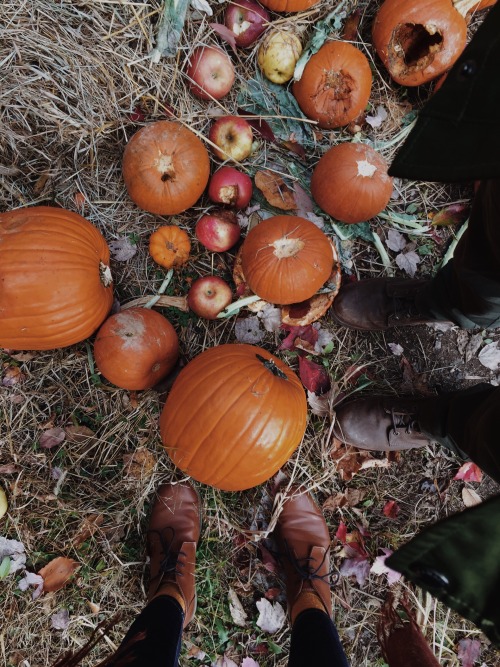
[304,202]
[469,651]
[225,34]
[295,147]
[451,215]
[391,509]
[341,533]
[52,437]
[57,573]
[306,333]
[355,545]
[313,376]
[137,115]
[268,560]
[351,26]
[358,567]
[272,593]
[259,125]
[469,472]
[12,376]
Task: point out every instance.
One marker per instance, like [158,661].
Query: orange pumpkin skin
[136,348]
[335,85]
[55,283]
[170,246]
[229,421]
[165,168]
[418,41]
[350,183]
[290,6]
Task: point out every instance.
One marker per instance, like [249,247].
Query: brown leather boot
[304,545]
[383,423]
[173,534]
[381,303]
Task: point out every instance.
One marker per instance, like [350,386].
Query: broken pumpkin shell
[418,41]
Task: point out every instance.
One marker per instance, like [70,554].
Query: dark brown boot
[304,545]
[381,303]
[382,423]
[174,531]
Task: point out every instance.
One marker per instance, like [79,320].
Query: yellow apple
[278,55]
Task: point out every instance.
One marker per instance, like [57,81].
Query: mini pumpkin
[136,348]
[350,182]
[55,282]
[335,85]
[170,246]
[418,41]
[234,416]
[286,259]
[165,168]
[290,6]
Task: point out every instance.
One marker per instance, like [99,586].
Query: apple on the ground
[218,231]
[233,136]
[230,186]
[211,72]
[208,296]
[247,20]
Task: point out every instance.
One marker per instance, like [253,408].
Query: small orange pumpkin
[335,85]
[55,282]
[418,41]
[286,259]
[234,416]
[136,348]
[165,168]
[350,182]
[290,6]
[170,246]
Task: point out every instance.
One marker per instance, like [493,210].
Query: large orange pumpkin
[418,41]
[350,182]
[55,283]
[136,348]
[165,168]
[335,85]
[289,6]
[286,259]
[234,416]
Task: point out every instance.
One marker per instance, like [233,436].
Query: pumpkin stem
[105,274]
[166,167]
[271,366]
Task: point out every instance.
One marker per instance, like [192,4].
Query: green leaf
[361,230]
[221,631]
[274,647]
[424,250]
[4,567]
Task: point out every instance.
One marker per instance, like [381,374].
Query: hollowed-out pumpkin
[234,416]
[418,41]
[165,168]
[55,283]
[286,259]
[136,348]
[350,182]
[335,85]
[290,6]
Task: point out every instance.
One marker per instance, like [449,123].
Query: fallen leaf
[224,661]
[271,616]
[271,317]
[358,567]
[249,662]
[139,464]
[52,437]
[23,356]
[396,349]
[341,533]
[351,24]
[60,620]
[350,497]
[470,497]
[31,579]
[304,203]
[88,527]
[413,382]
[94,608]
[451,215]
[78,434]
[275,190]
[272,593]
[225,34]
[258,124]
[408,262]
[469,472]
[122,249]
[379,567]
[4,567]
[469,651]
[395,240]
[3,503]
[9,469]
[268,560]
[490,356]
[57,573]
[299,337]
[315,219]
[238,614]
[202,6]
[247,330]
[370,462]
[391,509]
[12,376]
[313,376]
[379,117]
[14,551]
[323,406]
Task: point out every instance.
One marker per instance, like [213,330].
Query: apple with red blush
[233,138]
[208,296]
[247,20]
[230,186]
[211,72]
[218,231]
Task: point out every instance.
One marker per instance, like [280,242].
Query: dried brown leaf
[78,434]
[87,528]
[275,190]
[57,573]
[139,464]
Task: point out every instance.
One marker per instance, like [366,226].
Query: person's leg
[315,641]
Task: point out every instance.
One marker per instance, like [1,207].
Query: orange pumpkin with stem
[290,6]
[165,168]
[350,182]
[286,259]
[335,85]
[234,416]
[170,246]
[55,282]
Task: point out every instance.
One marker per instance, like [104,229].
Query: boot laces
[170,562]
[305,570]
[404,420]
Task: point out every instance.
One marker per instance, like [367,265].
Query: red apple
[218,231]
[211,73]
[233,136]
[208,296]
[246,19]
[230,186]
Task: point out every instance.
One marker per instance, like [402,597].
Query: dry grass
[71,74]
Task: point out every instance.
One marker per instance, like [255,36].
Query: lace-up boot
[383,423]
[381,303]
[304,547]
[174,531]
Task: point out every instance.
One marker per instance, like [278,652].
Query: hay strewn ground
[71,76]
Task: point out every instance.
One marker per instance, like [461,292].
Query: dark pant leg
[468,423]
[315,641]
[154,638]
[467,289]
